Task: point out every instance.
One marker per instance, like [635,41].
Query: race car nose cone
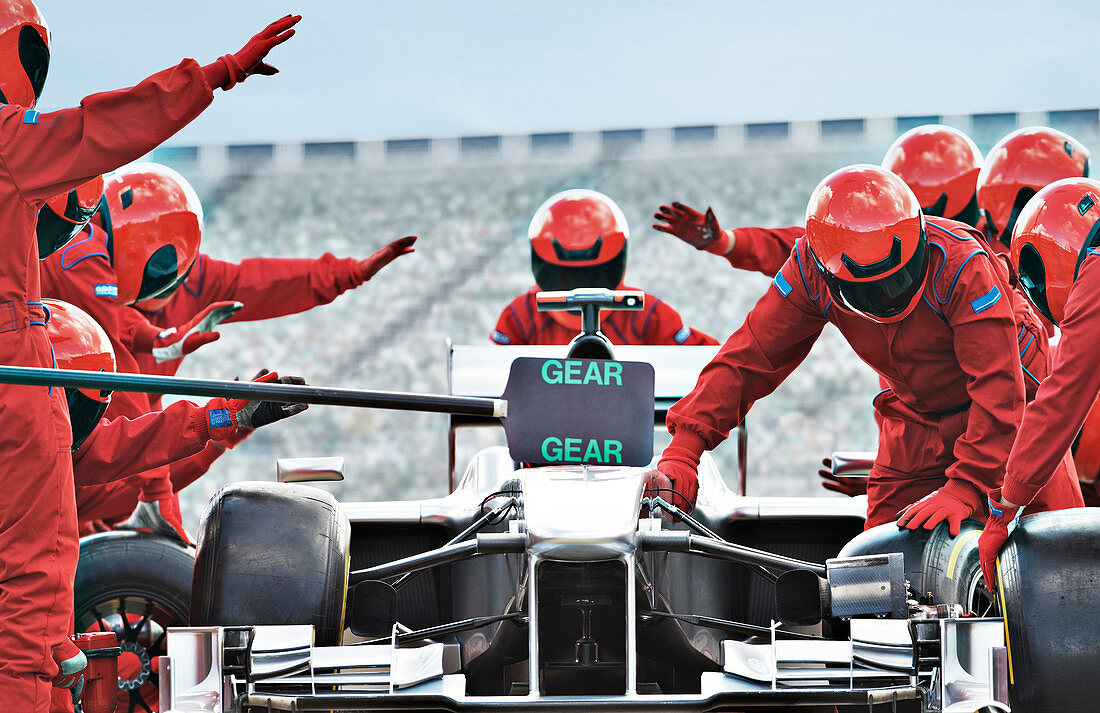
[582,512]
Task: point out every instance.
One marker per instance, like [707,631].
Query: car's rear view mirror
[307,470]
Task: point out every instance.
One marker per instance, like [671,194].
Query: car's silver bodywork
[574,517]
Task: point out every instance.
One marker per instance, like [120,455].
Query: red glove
[232,68]
[851,487]
[225,418]
[696,229]
[380,258]
[71,666]
[173,343]
[954,502]
[242,433]
[1002,521]
[677,478]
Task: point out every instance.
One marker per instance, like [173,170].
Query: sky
[365,69]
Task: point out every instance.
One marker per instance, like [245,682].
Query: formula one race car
[550,578]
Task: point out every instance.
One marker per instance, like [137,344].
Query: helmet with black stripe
[1017,167]
[79,342]
[940,164]
[865,231]
[63,216]
[1054,234]
[24,52]
[154,221]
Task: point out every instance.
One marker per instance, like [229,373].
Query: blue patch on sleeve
[781,284]
[683,335]
[220,418]
[500,337]
[986,301]
[106,291]
[30,117]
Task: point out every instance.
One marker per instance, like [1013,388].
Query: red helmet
[80,343]
[24,52]
[154,223]
[865,231]
[1054,233]
[578,239]
[940,165]
[1019,165]
[66,215]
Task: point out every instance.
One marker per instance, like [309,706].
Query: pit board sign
[579,411]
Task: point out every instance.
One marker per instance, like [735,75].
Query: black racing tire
[137,585]
[1050,569]
[940,567]
[272,553]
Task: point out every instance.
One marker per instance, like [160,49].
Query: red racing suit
[955,393]
[657,323]
[105,464]
[1053,419]
[43,155]
[81,274]
[267,287]
[764,250]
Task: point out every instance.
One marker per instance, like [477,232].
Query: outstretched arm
[48,154]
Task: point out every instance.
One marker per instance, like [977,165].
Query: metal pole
[142,383]
[492,543]
[683,541]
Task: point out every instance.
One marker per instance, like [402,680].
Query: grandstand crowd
[392,336]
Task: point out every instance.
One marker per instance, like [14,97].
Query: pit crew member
[266,287]
[940,164]
[110,263]
[579,239]
[43,155]
[106,453]
[1056,250]
[921,302]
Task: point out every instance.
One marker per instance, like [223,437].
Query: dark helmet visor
[84,415]
[885,297]
[553,277]
[54,231]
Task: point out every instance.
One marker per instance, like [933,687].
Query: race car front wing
[950,664]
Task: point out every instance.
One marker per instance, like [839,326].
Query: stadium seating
[471,259]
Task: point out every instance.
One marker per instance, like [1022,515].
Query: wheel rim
[141,624]
[980,600]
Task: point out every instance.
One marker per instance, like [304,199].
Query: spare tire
[137,585]
[272,553]
[1050,569]
[938,566]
